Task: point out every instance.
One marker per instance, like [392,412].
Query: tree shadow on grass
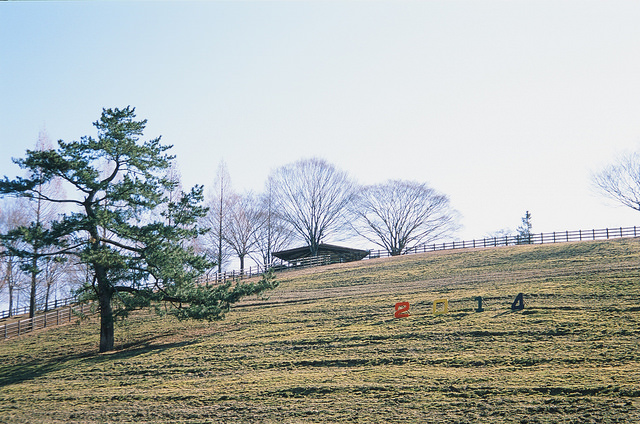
[36,368]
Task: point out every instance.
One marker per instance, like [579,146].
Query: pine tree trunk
[105,293]
[10,300]
[9,281]
[106,323]
[32,297]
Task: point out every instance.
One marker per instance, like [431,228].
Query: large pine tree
[136,256]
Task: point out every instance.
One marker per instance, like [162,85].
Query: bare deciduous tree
[43,212]
[398,214]
[244,221]
[312,195]
[13,214]
[274,234]
[53,272]
[218,217]
[621,180]
[23,241]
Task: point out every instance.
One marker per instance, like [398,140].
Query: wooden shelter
[331,253]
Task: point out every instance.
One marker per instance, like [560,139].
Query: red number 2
[402,310]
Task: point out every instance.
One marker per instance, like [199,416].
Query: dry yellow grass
[325,347]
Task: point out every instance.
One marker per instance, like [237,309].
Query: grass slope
[325,348]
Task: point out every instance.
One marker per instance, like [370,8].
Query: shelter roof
[337,253]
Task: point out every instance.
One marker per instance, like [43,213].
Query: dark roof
[337,253]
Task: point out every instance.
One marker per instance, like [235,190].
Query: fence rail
[55,304]
[540,238]
[258,270]
[46,319]
[222,277]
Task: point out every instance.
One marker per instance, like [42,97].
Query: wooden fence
[46,319]
[55,304]
[258,270]
[222,277]
[66,314]
[541,238]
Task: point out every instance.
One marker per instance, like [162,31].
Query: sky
[504,106]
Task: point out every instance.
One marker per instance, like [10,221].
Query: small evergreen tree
[525,236]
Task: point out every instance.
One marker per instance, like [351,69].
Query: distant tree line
[310,202]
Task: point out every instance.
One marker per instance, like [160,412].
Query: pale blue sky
[505,106]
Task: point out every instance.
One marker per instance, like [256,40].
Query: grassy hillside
[325,347]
